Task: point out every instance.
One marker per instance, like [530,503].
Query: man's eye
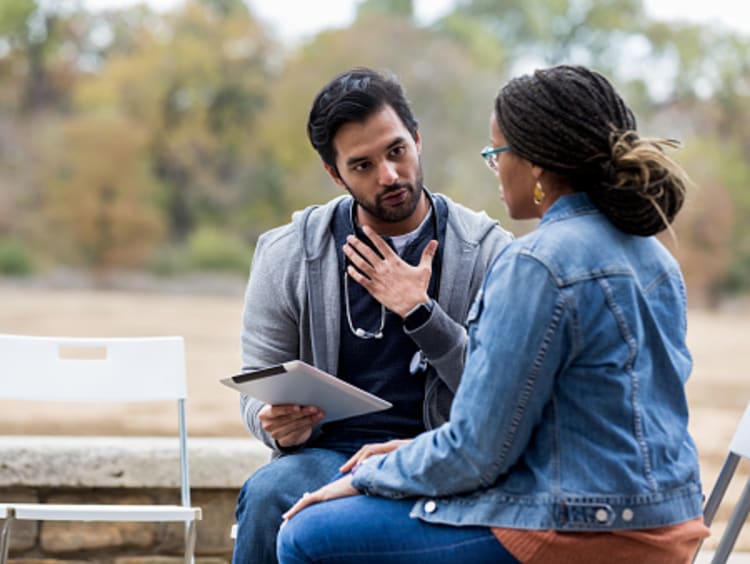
[361,167]
[398,151]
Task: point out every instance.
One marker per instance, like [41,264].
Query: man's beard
[394,215]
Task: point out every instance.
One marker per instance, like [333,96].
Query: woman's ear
[536,172]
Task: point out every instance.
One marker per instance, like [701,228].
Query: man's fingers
[296,432]
[279,410]
[293,439]
[356,258]
[428,254]
[378,241]
[304,418]
[363,250]
[358,277]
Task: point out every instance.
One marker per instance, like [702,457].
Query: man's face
[378,163]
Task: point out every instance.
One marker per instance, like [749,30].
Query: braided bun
[571,121]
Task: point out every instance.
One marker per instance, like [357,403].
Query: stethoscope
[418,362]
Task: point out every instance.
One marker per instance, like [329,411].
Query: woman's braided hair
[571,121]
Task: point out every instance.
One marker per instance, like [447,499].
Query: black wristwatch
[419,315]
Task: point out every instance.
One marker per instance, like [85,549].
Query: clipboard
[296,382]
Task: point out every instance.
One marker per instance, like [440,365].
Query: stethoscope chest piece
[418,363]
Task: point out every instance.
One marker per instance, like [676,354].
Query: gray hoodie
[293,307]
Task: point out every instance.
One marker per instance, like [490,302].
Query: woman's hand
[368,450]
[392,281]
[340,488]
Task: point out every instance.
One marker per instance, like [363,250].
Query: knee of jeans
[264,489]
[259,490]
[289,544]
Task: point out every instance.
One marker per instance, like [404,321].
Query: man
[373,287]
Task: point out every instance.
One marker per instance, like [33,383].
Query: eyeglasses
[489,154]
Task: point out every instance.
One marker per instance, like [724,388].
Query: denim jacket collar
[569,206]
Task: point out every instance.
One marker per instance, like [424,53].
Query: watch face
[419,316]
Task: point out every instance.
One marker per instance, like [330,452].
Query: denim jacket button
[627,514]
[601,515]
[430,506]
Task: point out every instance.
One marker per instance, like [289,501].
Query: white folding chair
[739,448]
[98,370]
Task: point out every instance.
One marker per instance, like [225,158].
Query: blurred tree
[101,204]
[386,8]
[708,101]
[210,112]
[706,223]
[40,44]
[197,83]
[548,33]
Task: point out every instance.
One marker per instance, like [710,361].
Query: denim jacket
[571,413]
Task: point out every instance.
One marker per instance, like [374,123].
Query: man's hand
[340,488]
[368,450]
[390,280]
[289,425]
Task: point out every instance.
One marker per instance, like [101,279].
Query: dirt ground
[718,391]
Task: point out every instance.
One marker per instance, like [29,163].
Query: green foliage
[15,259]
[212,249]
[135,138]
[560,31]
[100,200]
[170,261]
[14,15]
[387,8]
[197,91]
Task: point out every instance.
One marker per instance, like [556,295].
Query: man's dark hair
[354,96]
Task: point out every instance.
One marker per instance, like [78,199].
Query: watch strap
[419,315]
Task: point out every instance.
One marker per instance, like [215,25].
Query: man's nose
[387,174]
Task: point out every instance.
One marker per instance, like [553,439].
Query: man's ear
[334,174]
[418,141]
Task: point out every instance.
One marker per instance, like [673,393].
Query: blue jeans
[270,491]
[372,530]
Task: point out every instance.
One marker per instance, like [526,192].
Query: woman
[567,440]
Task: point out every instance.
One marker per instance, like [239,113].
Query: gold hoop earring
[538,193]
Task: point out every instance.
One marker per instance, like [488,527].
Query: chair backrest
[740,444]
[739,448]
[71,369]
[97,370]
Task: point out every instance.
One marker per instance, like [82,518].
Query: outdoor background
[143,148]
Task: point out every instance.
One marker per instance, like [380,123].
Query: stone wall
[123,470]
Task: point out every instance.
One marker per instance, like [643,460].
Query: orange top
[674,544]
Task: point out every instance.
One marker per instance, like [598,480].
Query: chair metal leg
[717,493]
[5,535]
[736,521]
[190,535]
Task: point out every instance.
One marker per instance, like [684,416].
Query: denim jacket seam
[569,214]
[526,393]
[557,482]
[658,281]
[638,420]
